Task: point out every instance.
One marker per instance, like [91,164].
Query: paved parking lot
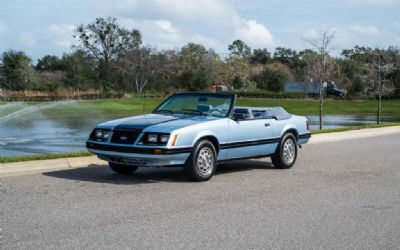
[339,195]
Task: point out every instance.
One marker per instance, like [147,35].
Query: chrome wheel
[289,151]
[205,161]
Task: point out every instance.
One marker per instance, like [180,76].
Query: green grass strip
[333,130]
[43,157]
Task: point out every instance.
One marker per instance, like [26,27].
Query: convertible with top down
[197,131]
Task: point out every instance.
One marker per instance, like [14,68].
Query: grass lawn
[136,105]
[43,157]
[133,106]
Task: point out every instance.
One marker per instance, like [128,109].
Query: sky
[42,27]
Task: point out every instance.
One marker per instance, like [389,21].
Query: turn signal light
[174,140]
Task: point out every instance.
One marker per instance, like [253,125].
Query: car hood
[156,122]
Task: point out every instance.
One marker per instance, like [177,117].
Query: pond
[58,127]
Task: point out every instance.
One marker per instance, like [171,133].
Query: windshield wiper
[164,111]
[195,111]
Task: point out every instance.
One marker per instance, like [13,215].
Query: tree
[238,67]
[197,66]
[79,70]
[239,49]
[105,40]
[394,57]
[16,70]
[140,67]
[261,56]
[237,82]
[285,56]
[320,43]
[308,72]
[376,76]
[49,63]
[273,78]
[358,54]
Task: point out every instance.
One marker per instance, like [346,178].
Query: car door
[248,138]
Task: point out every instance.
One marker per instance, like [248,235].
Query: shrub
[272,78]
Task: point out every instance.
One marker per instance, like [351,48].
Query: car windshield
[197,104]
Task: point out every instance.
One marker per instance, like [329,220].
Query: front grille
[127,160]
[125,136]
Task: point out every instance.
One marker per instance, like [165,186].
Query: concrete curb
[353,134]
[42,166]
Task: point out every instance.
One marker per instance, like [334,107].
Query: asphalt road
[339,195]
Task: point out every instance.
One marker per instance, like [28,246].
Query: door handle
[267,124]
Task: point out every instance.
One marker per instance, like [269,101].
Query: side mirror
[238,117]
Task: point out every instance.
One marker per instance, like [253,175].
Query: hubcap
[289,151]
[205,161]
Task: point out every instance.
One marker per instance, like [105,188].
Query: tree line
[110,57]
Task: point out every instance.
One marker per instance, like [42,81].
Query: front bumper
[143,157]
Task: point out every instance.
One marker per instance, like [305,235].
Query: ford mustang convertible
[197,131]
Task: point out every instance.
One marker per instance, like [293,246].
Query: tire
[122,169]
[286,152]
[202,163]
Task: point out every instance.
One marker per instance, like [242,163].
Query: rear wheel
[202,163]
[122,169]
[286,153]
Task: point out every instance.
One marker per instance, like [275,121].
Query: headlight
[164,139]
[152,138]
[155,138]
[106,134]
[99,133]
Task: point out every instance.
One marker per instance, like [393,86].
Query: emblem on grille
[123,138]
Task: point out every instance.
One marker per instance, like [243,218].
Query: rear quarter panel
[297,123]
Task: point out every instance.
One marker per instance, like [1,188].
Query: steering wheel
[217,109]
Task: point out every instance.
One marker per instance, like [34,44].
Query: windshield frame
[232,97]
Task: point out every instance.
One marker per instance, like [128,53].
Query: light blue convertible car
[197,131]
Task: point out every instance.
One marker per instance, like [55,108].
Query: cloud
[3,27]
[396,25]
[27,39]
[182,21]
[166,26]
[254,34]
[161,33]
[60,35]
[209,11]
[362,35]
[364,30]
[374,2]
[208,42]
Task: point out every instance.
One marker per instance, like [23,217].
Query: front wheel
[122,169]
[202,163]
[286,153]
